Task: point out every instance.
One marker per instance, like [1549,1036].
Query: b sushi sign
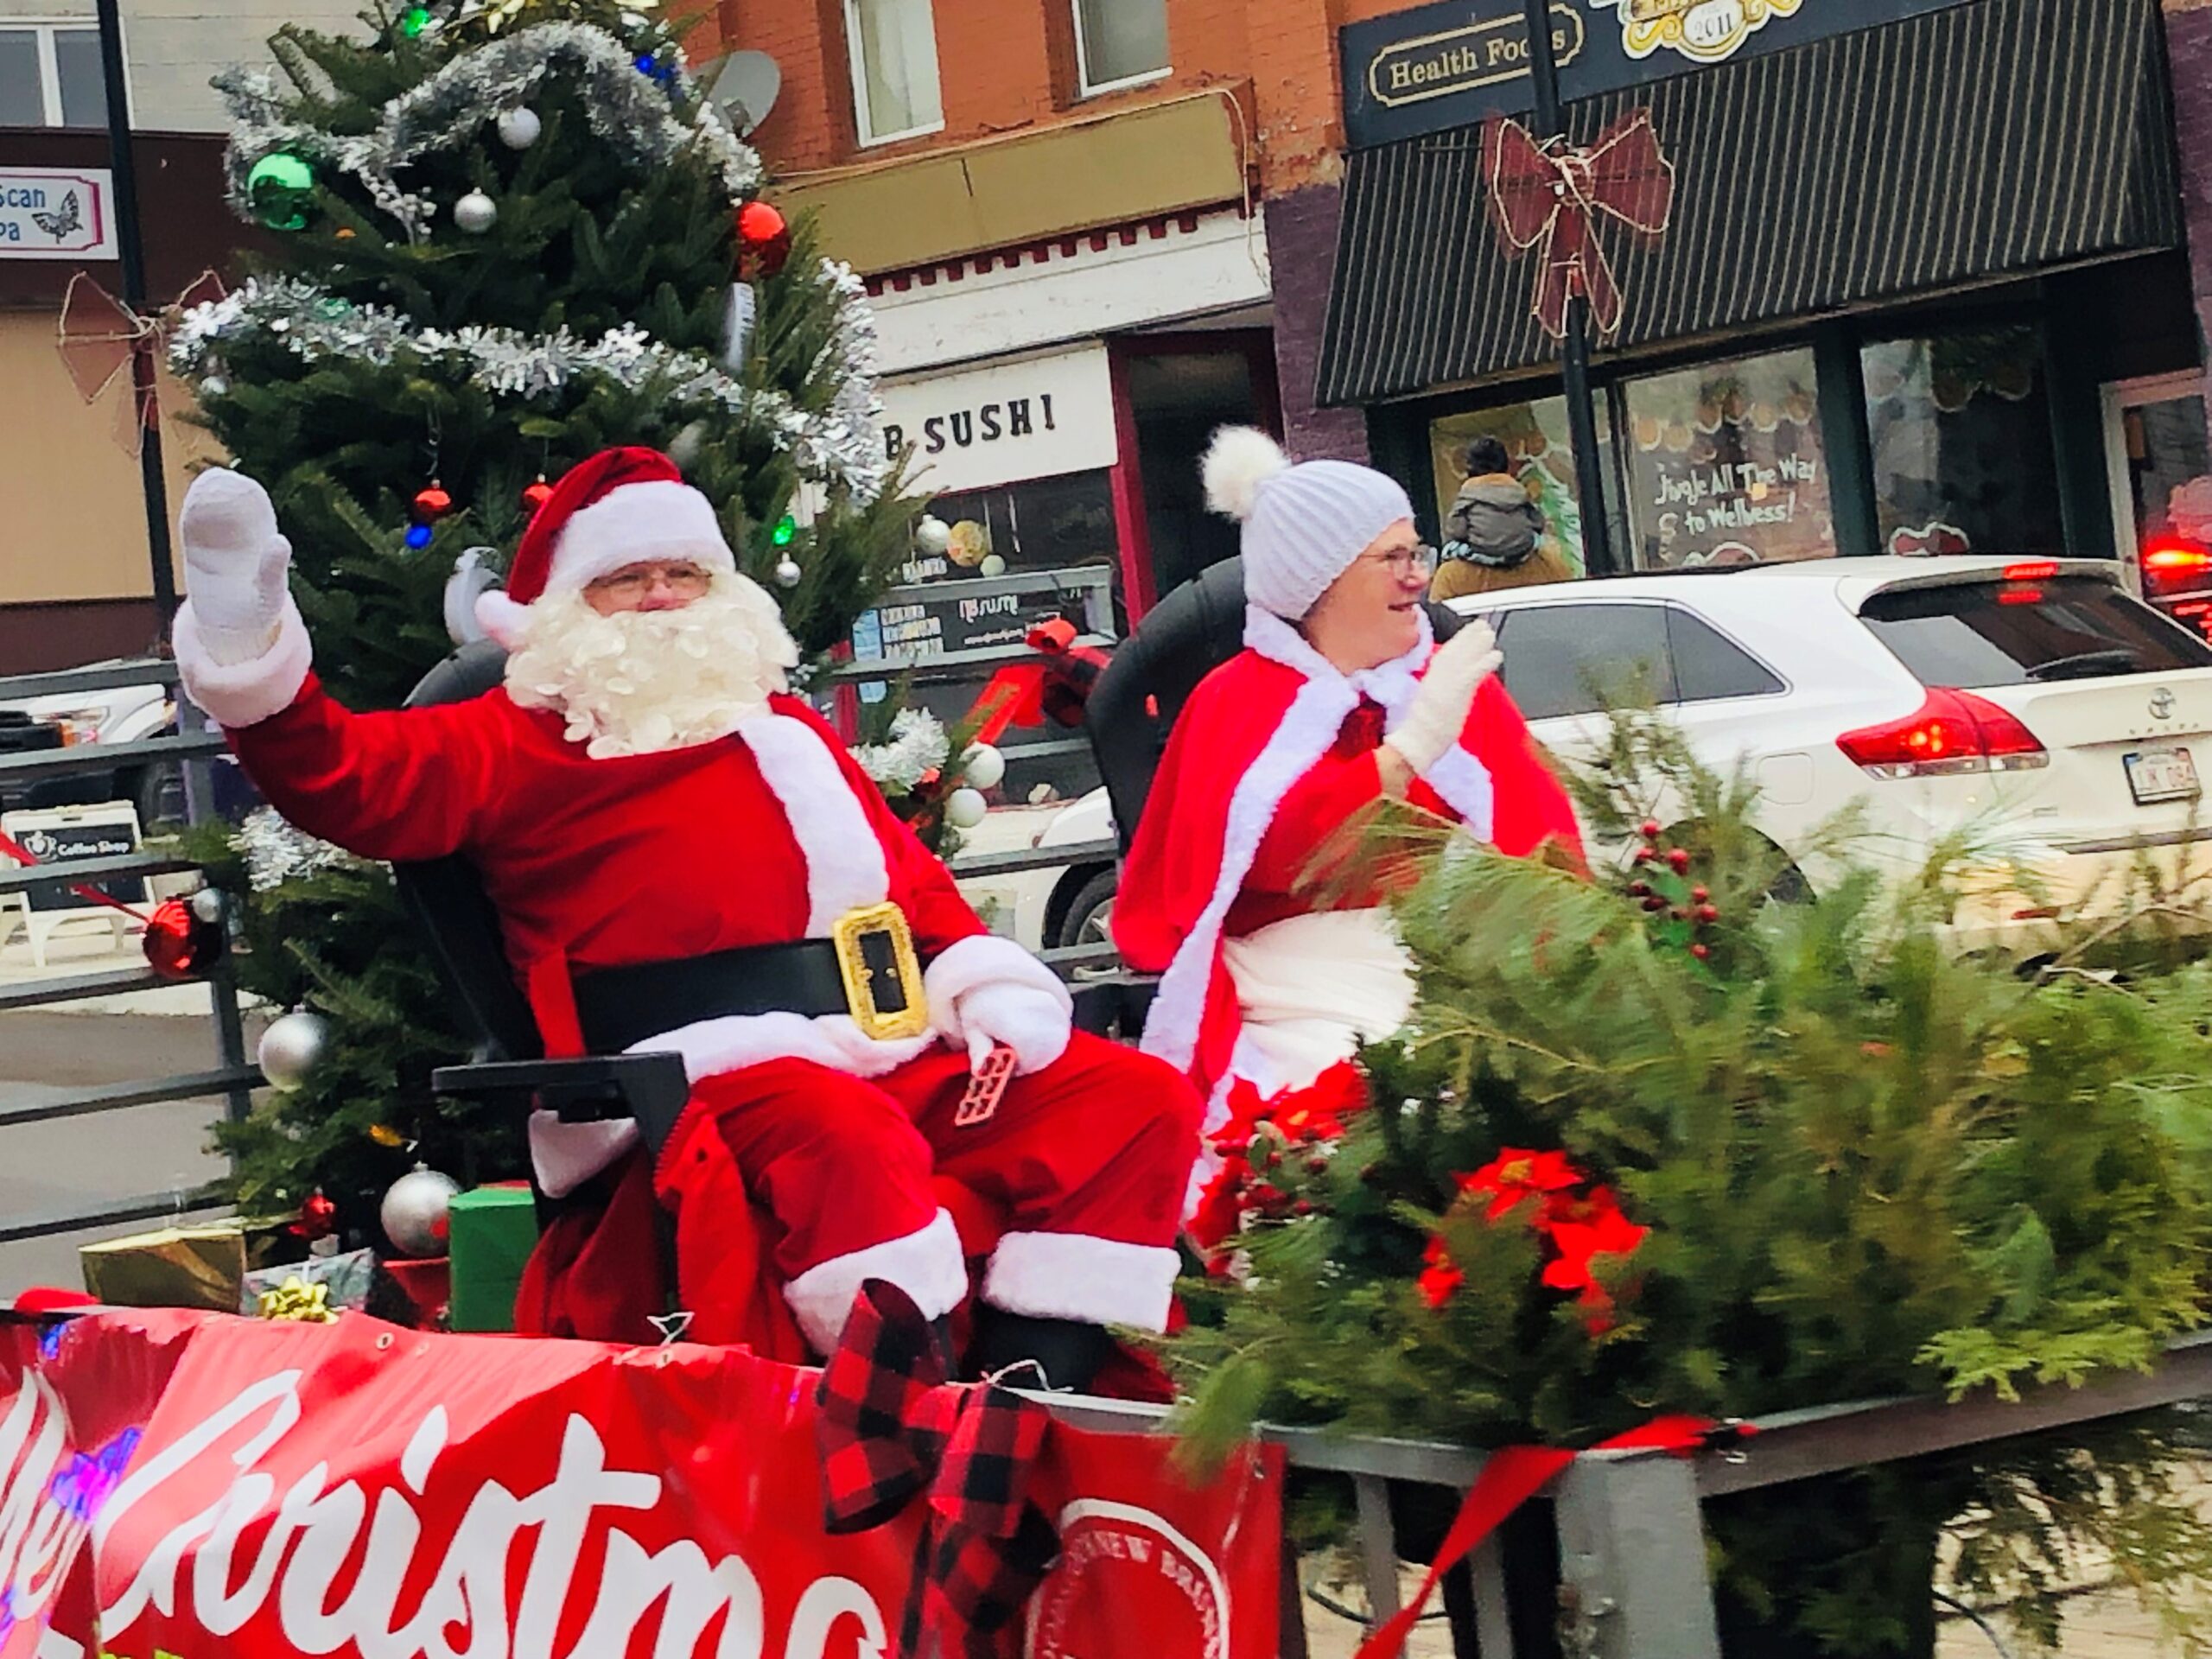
[1458,63]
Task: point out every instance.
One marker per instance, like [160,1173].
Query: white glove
[1430,727]
[1027,1019]
[234,562]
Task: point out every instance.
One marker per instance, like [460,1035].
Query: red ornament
[535,496]
[764,240]
[432,503]
[318,1217]
[178,945]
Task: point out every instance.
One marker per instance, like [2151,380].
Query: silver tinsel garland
[917,746]
[276,852]
[629,110]
[840,446]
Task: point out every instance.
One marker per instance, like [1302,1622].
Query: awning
[1995,137]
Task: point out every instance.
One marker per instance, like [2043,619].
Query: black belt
[620,1007]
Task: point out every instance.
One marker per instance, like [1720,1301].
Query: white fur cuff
[243,694]
[927,1264]
[1073,1276]
[985,959]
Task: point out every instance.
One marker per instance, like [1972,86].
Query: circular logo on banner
[1128,1585]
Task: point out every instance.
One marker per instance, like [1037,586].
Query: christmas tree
[509,233]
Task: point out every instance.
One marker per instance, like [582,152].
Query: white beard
[643,682]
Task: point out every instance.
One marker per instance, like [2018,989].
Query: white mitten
[1027,1019]
[234,562]
[1431,727]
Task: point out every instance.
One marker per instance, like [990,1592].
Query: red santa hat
[620,507]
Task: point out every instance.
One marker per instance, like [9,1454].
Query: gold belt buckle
[882,975]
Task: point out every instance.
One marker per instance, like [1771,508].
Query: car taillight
[1952,731]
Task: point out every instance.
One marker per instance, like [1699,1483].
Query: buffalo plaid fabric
[890,1427]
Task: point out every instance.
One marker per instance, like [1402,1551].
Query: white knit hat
[1303,525]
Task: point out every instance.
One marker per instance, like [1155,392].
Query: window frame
[49,67]
[868,138]
[1085,87]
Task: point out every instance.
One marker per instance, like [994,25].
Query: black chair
[1182,639]
[447,900]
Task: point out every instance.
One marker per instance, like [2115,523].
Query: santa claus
[1276,962]
[684,857]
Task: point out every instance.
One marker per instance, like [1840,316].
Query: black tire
[1084,921]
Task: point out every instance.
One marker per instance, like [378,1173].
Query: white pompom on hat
[1304,523]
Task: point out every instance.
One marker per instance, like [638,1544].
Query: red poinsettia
[1439,1279]
[1516,1175]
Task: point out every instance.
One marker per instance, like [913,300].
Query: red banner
[178,1486]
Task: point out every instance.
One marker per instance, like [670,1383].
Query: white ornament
[932,537]
[476,213]
[983,766]
[787,572]
[214,387]
[207,904]
[518,129]
[292,1047]
[964,808]
[414,1211]
[991,564]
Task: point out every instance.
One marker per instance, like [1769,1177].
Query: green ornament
[415,21]
[280,190]
[786,530]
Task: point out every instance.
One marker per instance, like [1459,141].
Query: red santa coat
[1273,754]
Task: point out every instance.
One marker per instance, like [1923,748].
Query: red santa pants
[1073,1187]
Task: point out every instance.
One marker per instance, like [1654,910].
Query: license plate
[2161,775]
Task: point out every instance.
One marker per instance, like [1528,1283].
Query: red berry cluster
[1662,890]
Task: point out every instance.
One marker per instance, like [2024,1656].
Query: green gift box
[490,1233]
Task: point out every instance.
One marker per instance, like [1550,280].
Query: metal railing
[233,1076]
[1634,1568]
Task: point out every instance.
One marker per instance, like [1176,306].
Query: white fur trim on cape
[985,959]
[243,694]
[1074,1276]
[845,866]
[927,1264]
[501,618]
[658,519]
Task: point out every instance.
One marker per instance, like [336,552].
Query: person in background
[1495,535]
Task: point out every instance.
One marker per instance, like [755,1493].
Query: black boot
[1061,1355]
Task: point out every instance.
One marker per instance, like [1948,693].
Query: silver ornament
[476,213]
[292,1047]
[932,536]
[214,387]
[983,766]
[787,572]
[207,904]
[518,129]
[414,1211]
[964,808]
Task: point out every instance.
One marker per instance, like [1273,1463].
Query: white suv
[2034,701]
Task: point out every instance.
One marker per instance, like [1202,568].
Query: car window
[1709,666]
[1987,633]
[1573,659]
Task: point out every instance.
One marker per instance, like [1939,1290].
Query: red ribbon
[1548,197]
[1509,1478]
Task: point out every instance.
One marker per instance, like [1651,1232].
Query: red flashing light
[2031,571]
[1953,731]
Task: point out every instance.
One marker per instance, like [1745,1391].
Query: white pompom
[1238,460]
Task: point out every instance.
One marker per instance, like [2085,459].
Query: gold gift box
[177,1267]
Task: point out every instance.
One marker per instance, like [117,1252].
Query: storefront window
[1960,429]
[1539,452]
[1727,465]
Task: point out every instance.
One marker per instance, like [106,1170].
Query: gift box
[345,1279]
[490,1231]
[176,1266]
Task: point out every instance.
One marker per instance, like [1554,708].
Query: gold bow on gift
[101,337]
[294,1300]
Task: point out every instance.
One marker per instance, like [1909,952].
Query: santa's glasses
[635,580]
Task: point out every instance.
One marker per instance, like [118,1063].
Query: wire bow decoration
[1548,196]
[101,338]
